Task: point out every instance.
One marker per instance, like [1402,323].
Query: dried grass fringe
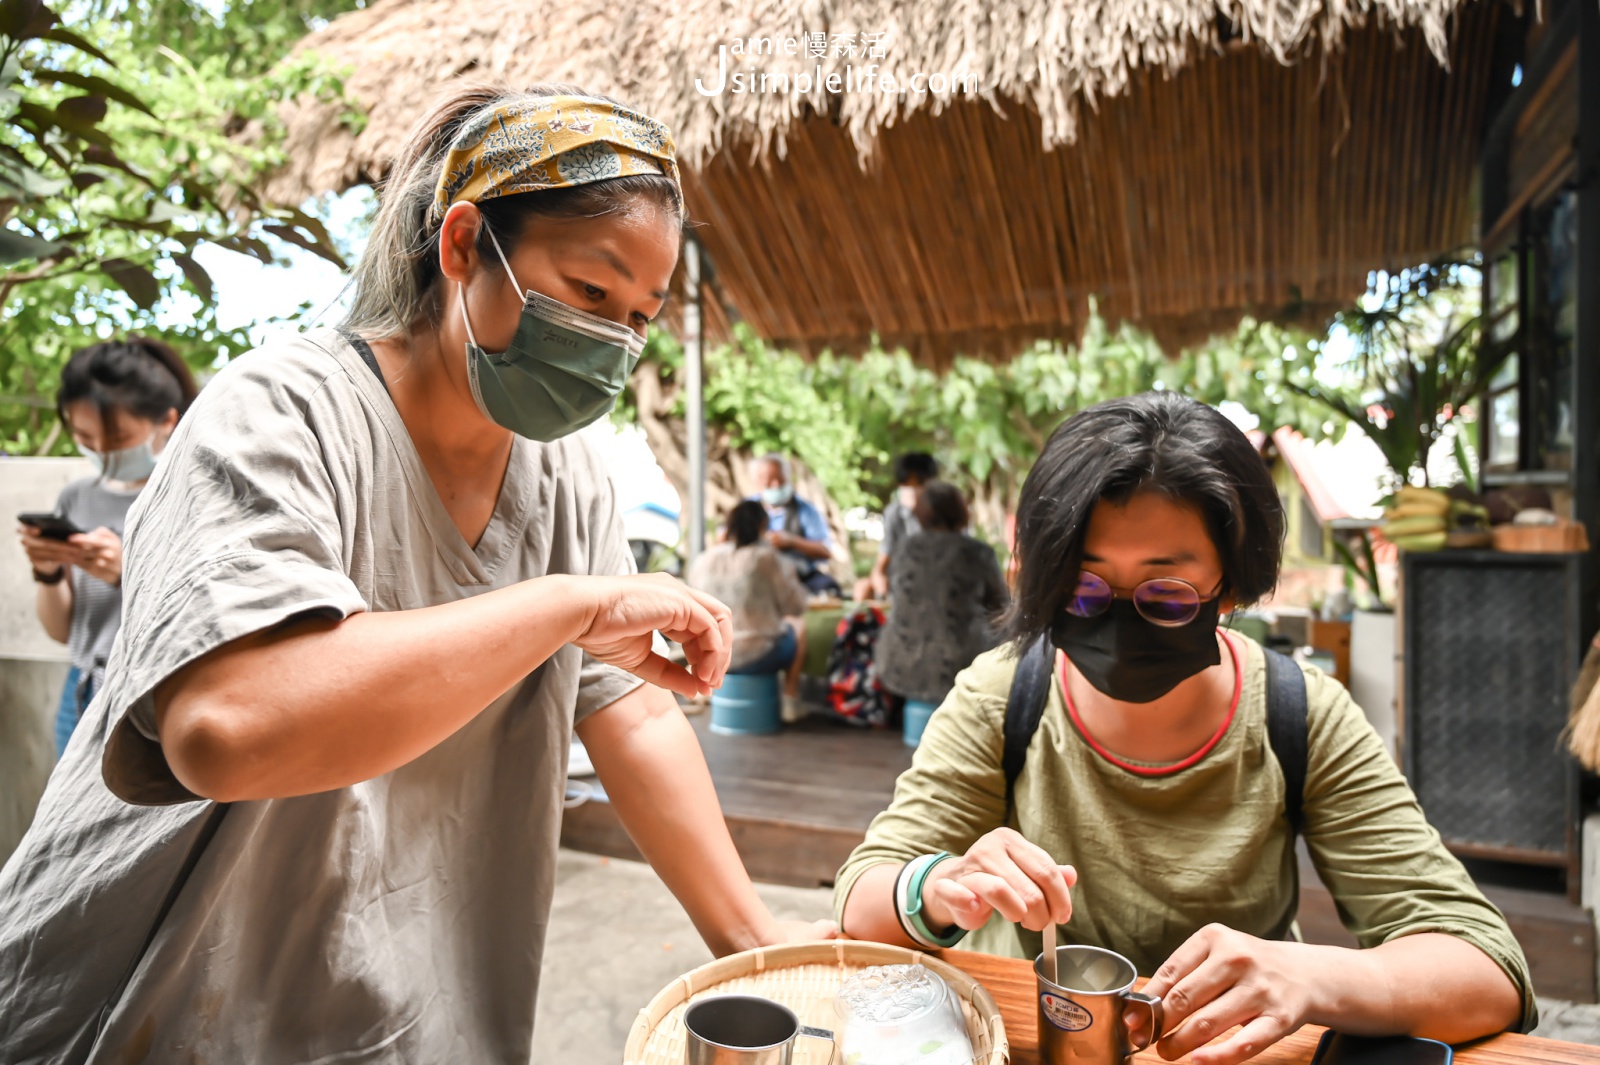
[1583,727]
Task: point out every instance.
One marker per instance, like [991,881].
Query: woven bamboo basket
[805,977]
[1568,536]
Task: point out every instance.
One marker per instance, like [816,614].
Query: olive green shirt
[1160,857]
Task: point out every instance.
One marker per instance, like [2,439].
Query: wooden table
[1011,982]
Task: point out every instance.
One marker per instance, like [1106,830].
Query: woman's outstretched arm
[317,704]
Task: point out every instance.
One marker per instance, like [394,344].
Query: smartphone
[50,526]
[1337,1048]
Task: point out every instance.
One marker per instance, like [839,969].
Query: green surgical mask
[563,370]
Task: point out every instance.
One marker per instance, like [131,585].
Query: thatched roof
[1085,166]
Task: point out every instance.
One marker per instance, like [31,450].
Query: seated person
[947,590]
[746,574]
[911,471]
[1150,785]
[795,527]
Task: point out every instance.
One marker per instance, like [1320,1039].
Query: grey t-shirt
[898,523]
[96,605]
[755,583]
[398,920]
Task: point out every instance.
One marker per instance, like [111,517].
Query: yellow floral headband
[551,142]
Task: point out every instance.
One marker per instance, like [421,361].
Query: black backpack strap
[1030,690]
[1286,731]
[1286,721]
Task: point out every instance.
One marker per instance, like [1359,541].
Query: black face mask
[1132,660]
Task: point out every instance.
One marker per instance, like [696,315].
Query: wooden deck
[798,803]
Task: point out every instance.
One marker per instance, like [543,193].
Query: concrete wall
[28,694]
[1374,662]
[32,666]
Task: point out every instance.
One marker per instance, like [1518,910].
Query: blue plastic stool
[747,704]
[917,714]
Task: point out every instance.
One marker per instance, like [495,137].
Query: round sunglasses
[1165,601]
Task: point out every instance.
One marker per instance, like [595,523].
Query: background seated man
[794,526]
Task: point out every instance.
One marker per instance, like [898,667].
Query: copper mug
[743,1030]
[1080,1012]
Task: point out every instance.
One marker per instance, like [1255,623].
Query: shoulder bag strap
[1286,731]
[1030,690]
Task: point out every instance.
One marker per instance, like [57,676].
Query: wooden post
[694,400]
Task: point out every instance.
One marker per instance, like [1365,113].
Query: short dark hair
[1153,442]
[941,507]
[746,523]
[917,464]
[143,376]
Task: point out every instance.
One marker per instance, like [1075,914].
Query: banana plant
[1418,355]
[1360,563]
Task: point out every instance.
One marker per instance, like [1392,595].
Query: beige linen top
[1158,858]
[758,586]
[401,919]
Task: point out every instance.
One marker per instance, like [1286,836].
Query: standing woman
[120,400]
[374,587]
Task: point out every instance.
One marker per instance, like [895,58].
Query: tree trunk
[987,511]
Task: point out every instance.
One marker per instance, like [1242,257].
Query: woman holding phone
[121,401]
[1151,815]
[377,584]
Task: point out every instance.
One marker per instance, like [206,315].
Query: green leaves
[90,83]
[848,417]
[67,37]
[18,247]
[1416,354]
[137,281]
[300,238]
[197,277]
[1360,562]
[116,163]
[22,20]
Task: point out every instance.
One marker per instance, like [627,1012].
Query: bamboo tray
[804,977]
[1569,536]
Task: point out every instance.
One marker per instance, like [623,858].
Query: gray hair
[396,280]
[777,458]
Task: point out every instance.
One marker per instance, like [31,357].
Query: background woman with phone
[120,400]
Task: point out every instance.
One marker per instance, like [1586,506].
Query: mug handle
[822,1033]
[1158,1019]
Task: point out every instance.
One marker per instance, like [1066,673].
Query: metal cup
[1080,1012]
[743,1030]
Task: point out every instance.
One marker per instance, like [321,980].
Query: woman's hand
[99,554]
[1220,979]
[1001,872]
[47,556]
[626,612]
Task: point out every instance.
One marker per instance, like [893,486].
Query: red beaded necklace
[1159,770]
